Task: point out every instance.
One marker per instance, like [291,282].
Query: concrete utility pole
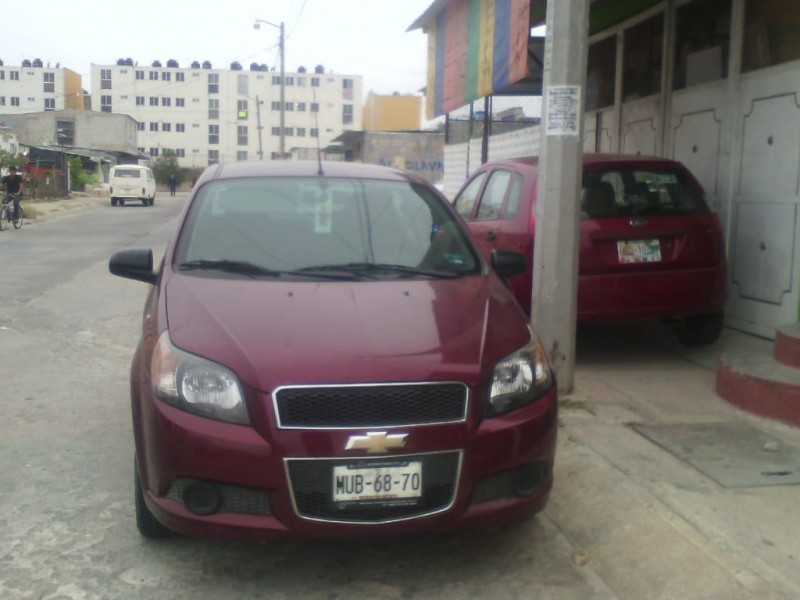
[555,254]
[282,44]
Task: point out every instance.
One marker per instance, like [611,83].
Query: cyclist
[12,185]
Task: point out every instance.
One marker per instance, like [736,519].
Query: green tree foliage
[164,166]
[8,159]
[78,176]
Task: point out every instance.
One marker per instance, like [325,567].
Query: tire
[113,202]
[19,220]
[145,202]
[700,330]
[120,202]
[3,220]
[153,200]
[146,523]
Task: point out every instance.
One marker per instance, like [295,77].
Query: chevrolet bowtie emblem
[376,442]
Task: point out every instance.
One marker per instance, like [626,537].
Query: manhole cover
[732,454]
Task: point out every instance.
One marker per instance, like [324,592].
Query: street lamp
[257,25]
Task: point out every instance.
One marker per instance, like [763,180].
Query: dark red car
[325,352]
[650,247]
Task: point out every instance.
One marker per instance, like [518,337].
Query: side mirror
[133,264]
[508,263]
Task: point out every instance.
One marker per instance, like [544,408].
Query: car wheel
[152,200]
[121,202]
[113,202]
[146,523]
[700,330]
[145,201]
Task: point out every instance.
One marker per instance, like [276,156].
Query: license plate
[639,251]
[359,483]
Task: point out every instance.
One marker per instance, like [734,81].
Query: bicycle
[7,214]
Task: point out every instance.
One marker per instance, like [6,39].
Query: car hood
[275,333]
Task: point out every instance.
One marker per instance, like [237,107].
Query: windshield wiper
[239,267]
[376,269]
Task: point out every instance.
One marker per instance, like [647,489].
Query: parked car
[650,247]
[325,352]
[131,182]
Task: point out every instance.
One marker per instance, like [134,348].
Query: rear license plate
[639,251]
[362,483]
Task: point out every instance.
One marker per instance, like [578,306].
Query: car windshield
[626,192]
[127,173]
[323,227]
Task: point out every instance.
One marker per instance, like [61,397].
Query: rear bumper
[659,294]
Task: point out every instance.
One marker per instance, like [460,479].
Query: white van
[132,182]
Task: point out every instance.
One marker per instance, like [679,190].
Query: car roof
[600,159]
[306,168]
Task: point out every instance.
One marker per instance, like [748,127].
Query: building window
[49,103]
[276,131]
[241,135]
[153,100]
[105,103]
[288,131]
[180,152]
[289,106]
[213,109]
[140,126]
[315,107]
[213,83]
[2,100]
[242,87]
[241,109]
[301,82]
[139,100]
[180,127]
[642,60]
[289,80]
[301,132]
[166,76]
[276,80]
[702,42]
[13,75]
[50,82]
[276,105]
[179,76]
[275,156]
[315,82]
[241,155]
[213,134]
[2,75]
[347,113]
[301,106]
[153,75]
[140,149]
[139,74]
[601,74]
[213,157]
[180,102]
[770,34]
[153,151]
[105,79]
[165,101]
[347,89]
[166,127]
[153,126]
[314,132]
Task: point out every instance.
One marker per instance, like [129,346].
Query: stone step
[787,345]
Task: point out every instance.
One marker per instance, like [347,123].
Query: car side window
[493,196]
[465,201]
[514,197]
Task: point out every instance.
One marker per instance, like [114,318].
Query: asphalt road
[626,520]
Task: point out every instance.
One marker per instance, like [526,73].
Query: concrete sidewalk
[664,489]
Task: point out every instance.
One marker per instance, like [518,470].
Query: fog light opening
[526,479]
[202,498]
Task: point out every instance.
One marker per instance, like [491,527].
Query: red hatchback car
[650,247]
[325,352]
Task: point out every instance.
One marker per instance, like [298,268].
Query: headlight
[519,379]
[196,385]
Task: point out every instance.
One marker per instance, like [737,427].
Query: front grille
[235,499]
[311,483]
[390,405]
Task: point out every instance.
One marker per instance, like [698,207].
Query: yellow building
[398,112]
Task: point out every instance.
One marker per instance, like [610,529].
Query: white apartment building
[33,87]
[208,115]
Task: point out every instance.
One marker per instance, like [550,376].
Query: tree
[8,159]
[166,165]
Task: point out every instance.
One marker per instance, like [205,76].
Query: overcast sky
[358,37]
